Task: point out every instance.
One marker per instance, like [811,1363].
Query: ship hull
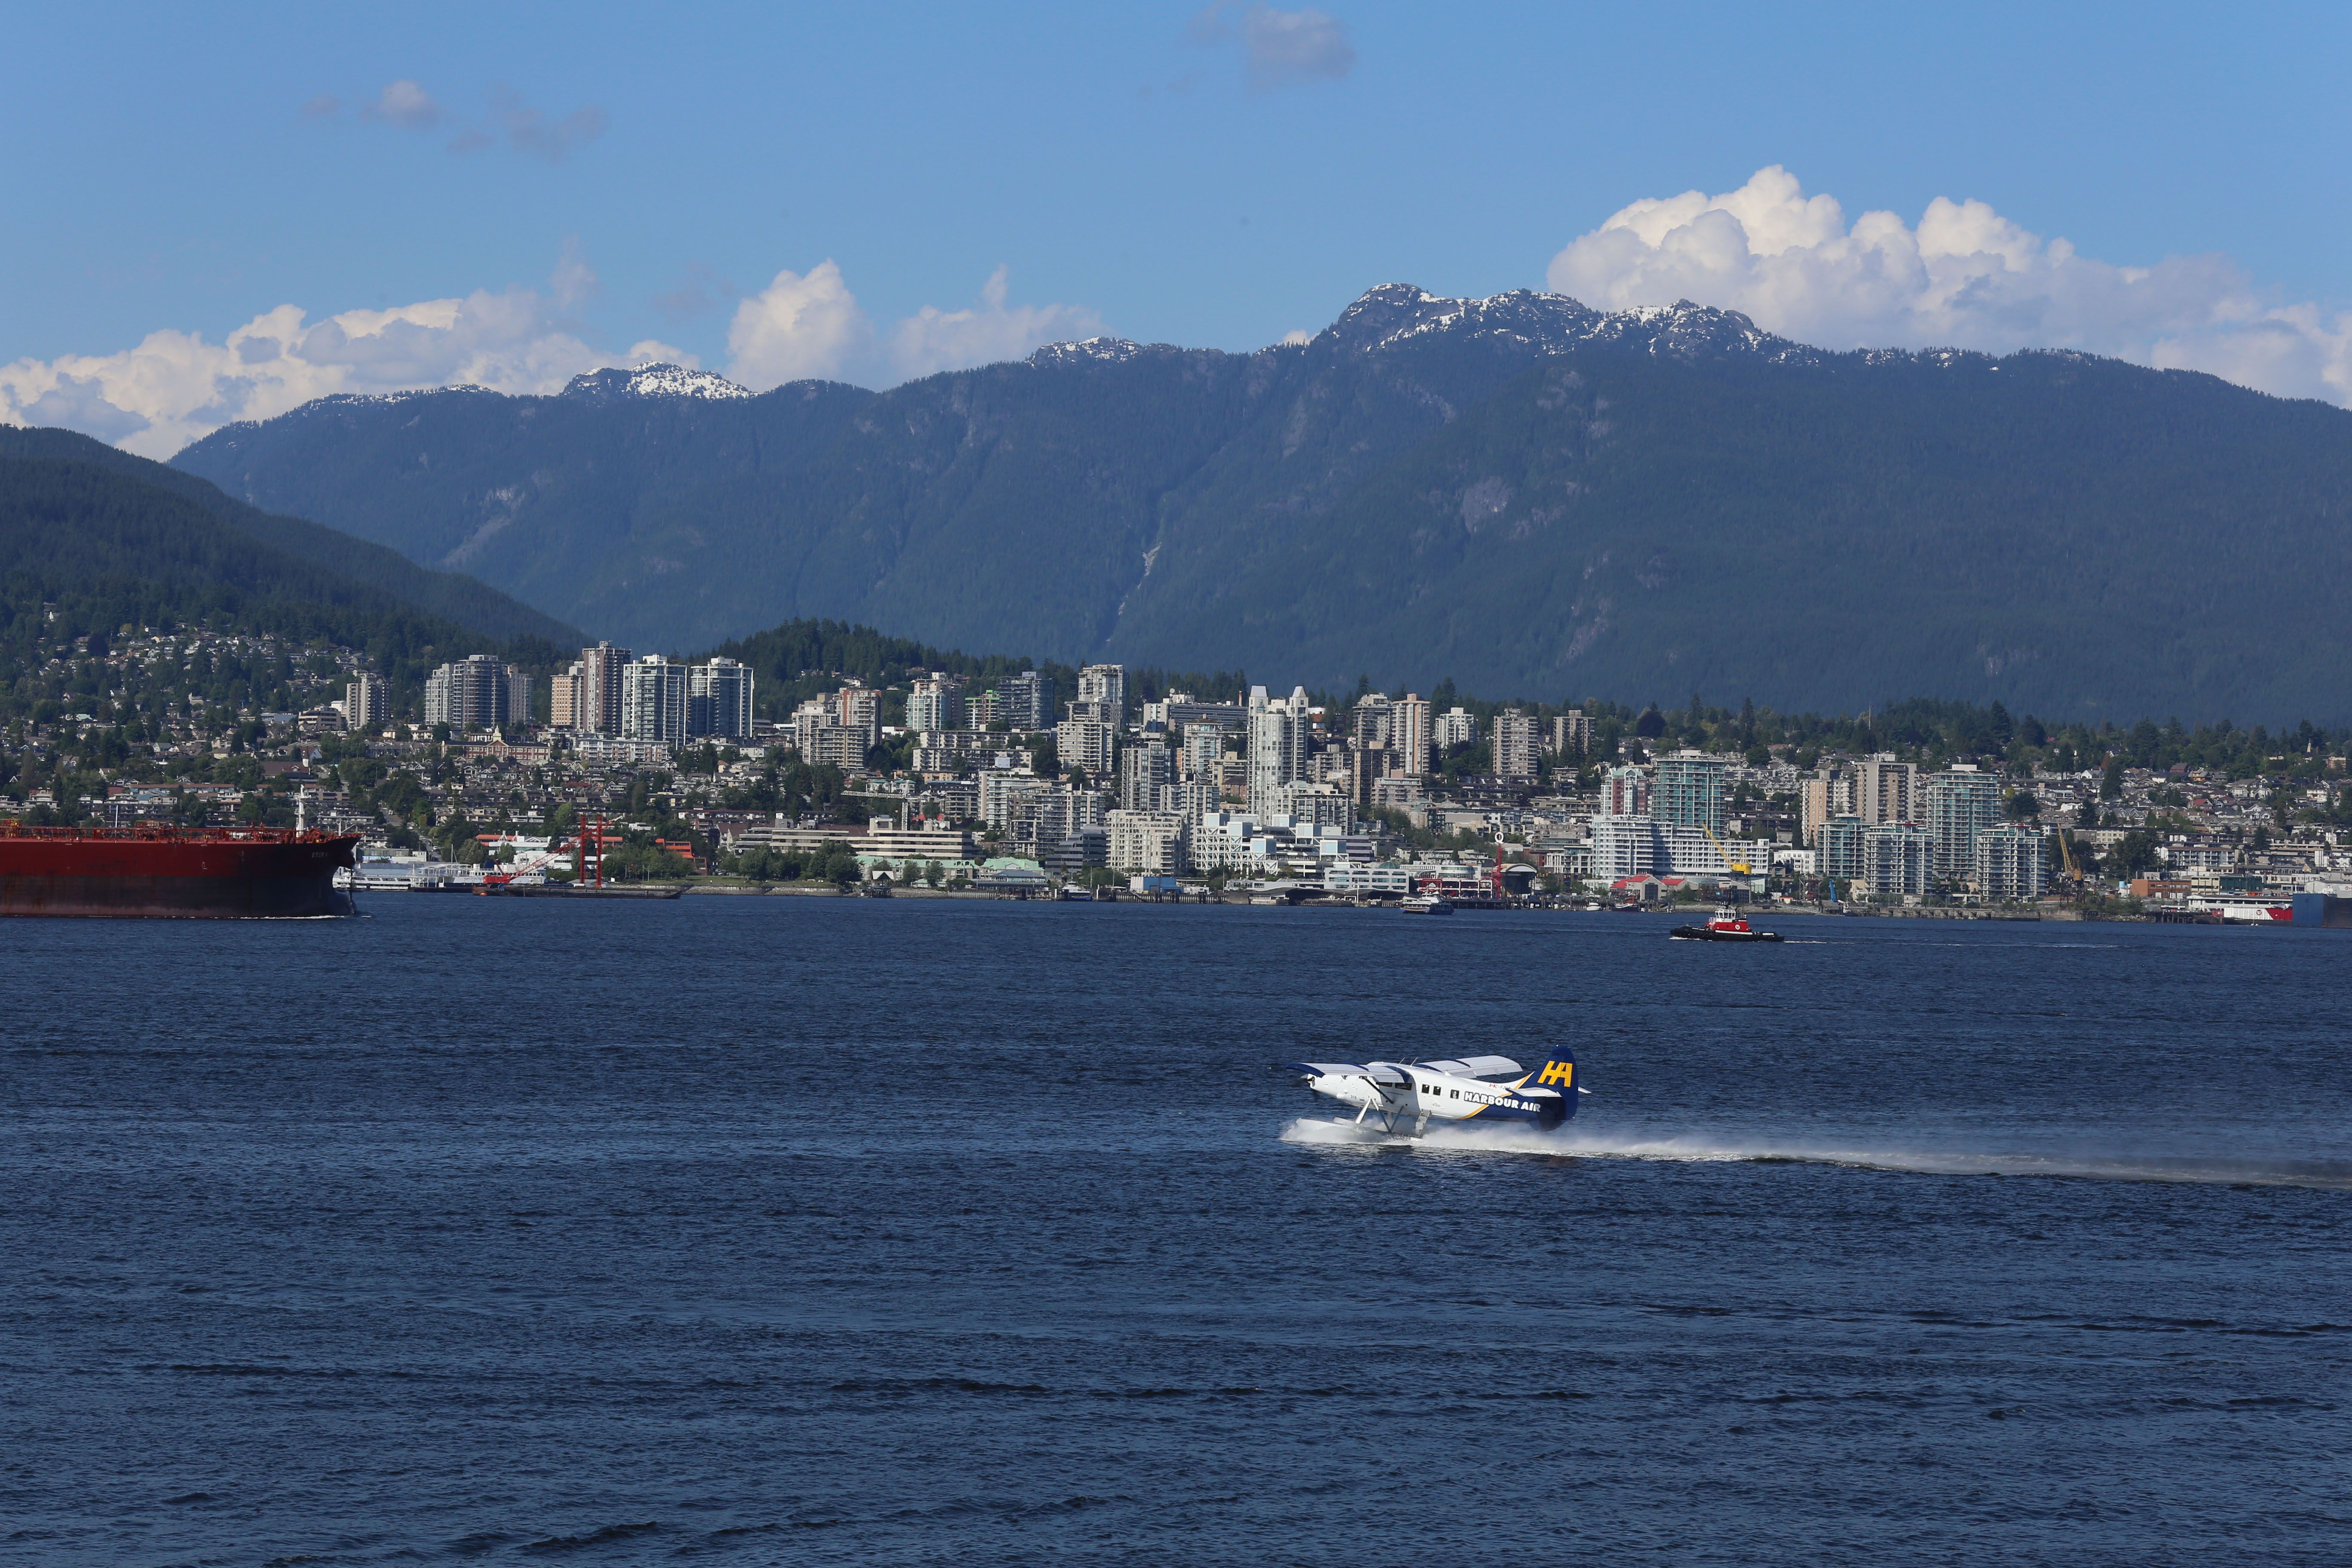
[257,875]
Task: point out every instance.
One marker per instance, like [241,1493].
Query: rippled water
[791,1230]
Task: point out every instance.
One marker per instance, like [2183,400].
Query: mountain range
[1520,493]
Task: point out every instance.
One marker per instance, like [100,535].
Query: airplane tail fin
[1559,1075]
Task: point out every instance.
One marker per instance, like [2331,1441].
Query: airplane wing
[1378,1072]
[1478,1066]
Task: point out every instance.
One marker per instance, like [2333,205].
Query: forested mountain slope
[467,601]
[88,548]
[1518,492]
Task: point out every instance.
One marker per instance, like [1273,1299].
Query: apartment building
[1514,745]
[654,700]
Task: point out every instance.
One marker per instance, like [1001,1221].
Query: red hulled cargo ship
[186,873]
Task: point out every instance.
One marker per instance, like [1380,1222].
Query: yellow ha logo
[1560,1073]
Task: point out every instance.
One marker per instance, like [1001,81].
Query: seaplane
[1406,1097]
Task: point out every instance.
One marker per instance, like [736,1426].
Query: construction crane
[2066,852]
[1738,865]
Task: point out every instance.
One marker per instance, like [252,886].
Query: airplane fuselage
[1411,1095]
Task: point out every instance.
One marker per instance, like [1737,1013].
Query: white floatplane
[1408,1096]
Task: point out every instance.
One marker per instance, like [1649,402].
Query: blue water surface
[768,1230]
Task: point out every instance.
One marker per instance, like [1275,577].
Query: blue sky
[600,178]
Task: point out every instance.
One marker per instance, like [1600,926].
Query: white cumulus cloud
[1963,276]
[176,387]
[802,326]
[932,339]
[806,326]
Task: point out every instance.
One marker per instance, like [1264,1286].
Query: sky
[214,214]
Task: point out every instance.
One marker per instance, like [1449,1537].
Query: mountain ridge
[1409,494]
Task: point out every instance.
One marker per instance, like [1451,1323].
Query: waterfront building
[1959,804]
[1898,859]
[1077,853]
[1688,790]
[1514,745]
[1146,841]
[1623,845]
[1220,840]
[1644,845]
[1362,878]
[2008,864]
[1841,851]
[918,841]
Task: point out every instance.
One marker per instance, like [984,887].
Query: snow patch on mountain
[1398,313]
[654,380]
[1088,351]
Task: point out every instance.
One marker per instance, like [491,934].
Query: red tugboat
[184,873]
[1725,927]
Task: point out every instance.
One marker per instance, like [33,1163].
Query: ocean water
[746,1231]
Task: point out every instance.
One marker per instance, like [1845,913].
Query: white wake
[2084,1163]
